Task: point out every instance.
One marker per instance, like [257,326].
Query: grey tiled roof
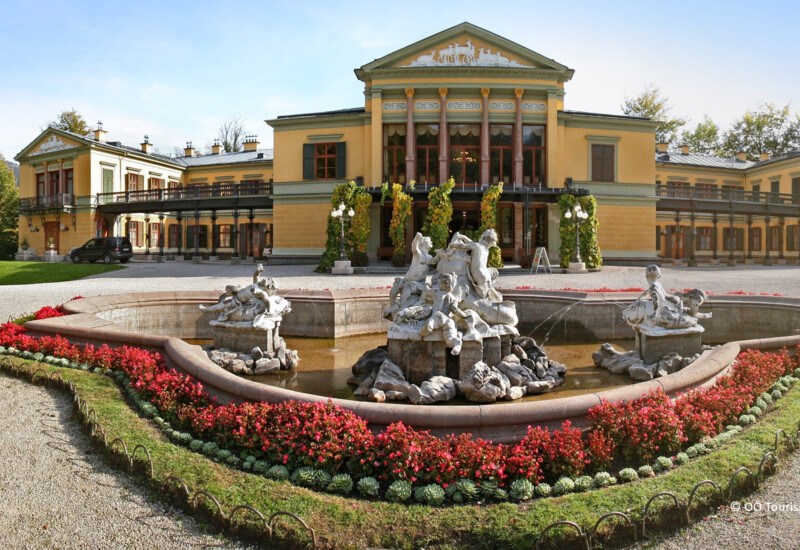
[697,159]
[241,157]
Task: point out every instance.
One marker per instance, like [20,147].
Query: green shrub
[681,458]
[746,419]
[196,444]
[341,484]
[604,479]
[628,474]
[278,472]
[776,394]
[521,489]
[432,495]
[563,486]
[766,398]
[663,464]
[399,491]
[583,483]
[491,490]
[543,490]
[304,476]
[464,490]
[210,448]
[646,471]
[368,487]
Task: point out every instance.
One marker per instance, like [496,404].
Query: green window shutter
[740,238]
[308,161]
[341,160]
[713,238]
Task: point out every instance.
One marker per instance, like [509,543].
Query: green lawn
[27,273]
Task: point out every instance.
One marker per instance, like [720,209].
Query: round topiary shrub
[210,448]
[604,479]
[628,474]
[368,487]
[797,372]
[521,489]
[760,403]
[646,471]
[663,464]
[223,454]
[341,484]
[767,398]
[543,490]
[432,495]
[583,483]
[776,394]
[399,491]
[681,458]
[756,411]
[196,444]
[563,486]
[746,419]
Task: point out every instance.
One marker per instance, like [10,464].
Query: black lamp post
[577,215]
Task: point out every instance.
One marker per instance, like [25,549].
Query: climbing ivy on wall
[401,211]
[440,211]
[489,219]
[356,231]
[590,251]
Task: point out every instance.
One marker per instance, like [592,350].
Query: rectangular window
[796,190]
[602,162]
[202,235]
[733,192]
[156,183]
[775,189]
[394,153]
[793,237]
[533,155]
[223,236]
[155,235]
[505,227]
[734,238]
[775,238]
[132,182]
[108,180]
[40,192]
[325,161]
[428,153]
[133,233]
[68,181]
[174,234]
[680,189]
[465,141]
[501,148]
[705,190]
[755,238]
[703,238]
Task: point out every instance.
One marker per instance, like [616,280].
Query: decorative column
[767,240]
[376,159]
[61,183]
[518,137]
[782,225]
[714,221]
[213,232]
[147,235]
[678,236]
[444,138]
[731,240]
[234,236]
[161,237]
[411,137]
[692,240]
[128,228]
[197,233]
[180,235]
[485,179]
[749,237]
[249,243]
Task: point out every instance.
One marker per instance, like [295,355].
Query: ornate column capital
[443,92]
[485,92]
[409,93]
[518,92]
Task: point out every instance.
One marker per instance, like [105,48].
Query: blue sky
[174,70]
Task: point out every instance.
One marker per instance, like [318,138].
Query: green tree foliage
[9,213]
[71,121]
[768,129]
[440,212]
[349,194]
[587,239]
[651,104]
[705,138]
[489,220]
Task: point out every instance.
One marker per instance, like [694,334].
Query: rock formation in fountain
[452,334]
[246,329]
[666,328]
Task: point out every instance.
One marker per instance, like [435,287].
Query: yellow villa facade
[464,103]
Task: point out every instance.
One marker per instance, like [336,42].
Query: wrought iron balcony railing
[61,200]
[215,190]
[715,194]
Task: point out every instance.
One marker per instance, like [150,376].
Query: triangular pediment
[465,45]
[50,141]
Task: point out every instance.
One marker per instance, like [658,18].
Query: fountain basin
[160,321]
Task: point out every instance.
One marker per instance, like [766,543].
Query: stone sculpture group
[666,329]
[246,329]
[453,334]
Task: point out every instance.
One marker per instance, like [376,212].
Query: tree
[769,129]
[649,103]
[71,121]
[9,213]
[230,134]
[704,138]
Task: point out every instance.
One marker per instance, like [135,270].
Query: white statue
[251,304]
[482,276]
[445,305]
[656,308]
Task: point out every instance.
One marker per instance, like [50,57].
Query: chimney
[147,147]
[100,134]
[684,149]
[763,157]
[661,147]
[741,155]
[216,149]
[251,143]
[188,151]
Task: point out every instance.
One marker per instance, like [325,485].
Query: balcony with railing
[716,194]
[212,191]
[60,201]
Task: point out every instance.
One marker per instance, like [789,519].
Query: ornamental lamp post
[338,213]
[577,215]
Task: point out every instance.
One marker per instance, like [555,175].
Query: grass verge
[28,273]
[354,523]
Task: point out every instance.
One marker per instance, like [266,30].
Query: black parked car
[108,249]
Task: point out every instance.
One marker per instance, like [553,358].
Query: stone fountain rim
[495,421]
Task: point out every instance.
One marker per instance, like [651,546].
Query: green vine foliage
[346,193]
[489,220]
[358,234]
[401,212]
[590,251]
[440,212]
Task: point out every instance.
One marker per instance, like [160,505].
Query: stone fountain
[246,329]
[668,335]
[454,333]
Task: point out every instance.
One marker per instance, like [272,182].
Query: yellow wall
[634,152]
[303,226]
[288,153]
[626,228]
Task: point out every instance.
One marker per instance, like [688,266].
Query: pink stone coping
[500,422]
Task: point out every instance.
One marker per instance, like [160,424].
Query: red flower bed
[324,436]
